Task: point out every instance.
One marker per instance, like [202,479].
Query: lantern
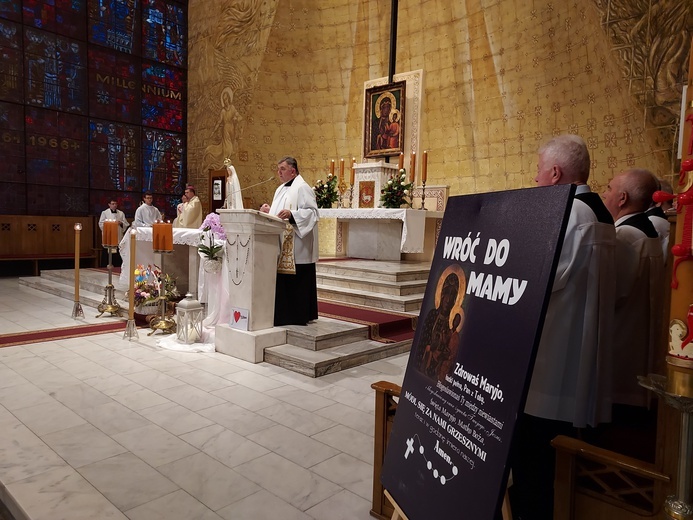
[189,316]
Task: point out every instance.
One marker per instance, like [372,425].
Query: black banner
[474,346]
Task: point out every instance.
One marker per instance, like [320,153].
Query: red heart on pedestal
[236,316]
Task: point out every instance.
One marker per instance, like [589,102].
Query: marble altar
[183,264]
[381,233]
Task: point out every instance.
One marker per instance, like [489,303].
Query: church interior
[105,100]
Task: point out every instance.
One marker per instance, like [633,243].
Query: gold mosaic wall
[285,77]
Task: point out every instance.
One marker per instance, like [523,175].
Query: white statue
[234,197]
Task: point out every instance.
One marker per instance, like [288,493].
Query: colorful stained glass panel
[162,161]
[114,86]
[115,156]
[11,62]
[115,24]
[12,143]
[163,31]
[162,97]
[61,16]
[55,71]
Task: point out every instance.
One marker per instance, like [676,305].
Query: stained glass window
[115,24]
[12,143]
[162,97]
[114,86]
[56,148]
[162,161]
[54,71]
[163,31]
[127,201]
[61,16]
[11,67]
[115,156]
[11,10]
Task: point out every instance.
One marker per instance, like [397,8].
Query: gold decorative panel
[277,77]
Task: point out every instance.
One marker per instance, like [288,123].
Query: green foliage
[397,191]
[326,192]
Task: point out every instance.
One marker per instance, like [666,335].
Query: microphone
[256,184]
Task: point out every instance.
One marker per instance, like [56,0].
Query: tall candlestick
[131,328]
[131,292]
[352,175]
[341,169]
[412,167]
[78,229]
[77,311]
[332,167]
[400,164]
[424,167]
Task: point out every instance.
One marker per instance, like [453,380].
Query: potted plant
[326,192]
[397,191]
[212,243]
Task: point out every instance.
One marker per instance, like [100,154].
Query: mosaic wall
[286,77]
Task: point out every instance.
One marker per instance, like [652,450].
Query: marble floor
[100,427]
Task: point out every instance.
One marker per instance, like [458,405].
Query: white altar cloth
[413,223]
[145,253]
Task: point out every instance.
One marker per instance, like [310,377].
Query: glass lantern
[189,316]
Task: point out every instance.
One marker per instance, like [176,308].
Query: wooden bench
[29,238]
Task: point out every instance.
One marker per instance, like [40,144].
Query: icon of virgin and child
[440,336]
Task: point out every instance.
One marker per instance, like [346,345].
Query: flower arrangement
[397,191]
[212,230]
[148,285]
[326,192]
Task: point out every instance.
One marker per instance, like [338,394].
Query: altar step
[325,346]
[396,286]
[61,282]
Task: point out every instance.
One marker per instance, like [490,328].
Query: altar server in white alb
[146,214]
[113,213]
[296,298]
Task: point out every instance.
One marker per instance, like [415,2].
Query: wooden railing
[598,484]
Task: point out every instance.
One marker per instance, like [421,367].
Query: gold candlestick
[77,311]
[423,195]
[164,323]
[131,328]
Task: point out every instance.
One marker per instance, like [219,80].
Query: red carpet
[384,326]
[39,336]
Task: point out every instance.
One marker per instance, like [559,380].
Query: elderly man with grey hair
[639,285]
[570,382]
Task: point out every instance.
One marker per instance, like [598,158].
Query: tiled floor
[100,427]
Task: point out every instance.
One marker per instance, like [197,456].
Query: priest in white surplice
[146,214]
[296,299]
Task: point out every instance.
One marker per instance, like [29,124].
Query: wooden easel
[398,514]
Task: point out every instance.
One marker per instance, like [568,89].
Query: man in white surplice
[296,297]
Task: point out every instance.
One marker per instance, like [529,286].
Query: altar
[183,263]
[384,234]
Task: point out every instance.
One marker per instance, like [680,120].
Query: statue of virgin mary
[234,197]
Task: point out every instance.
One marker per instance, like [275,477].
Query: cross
[410,442]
